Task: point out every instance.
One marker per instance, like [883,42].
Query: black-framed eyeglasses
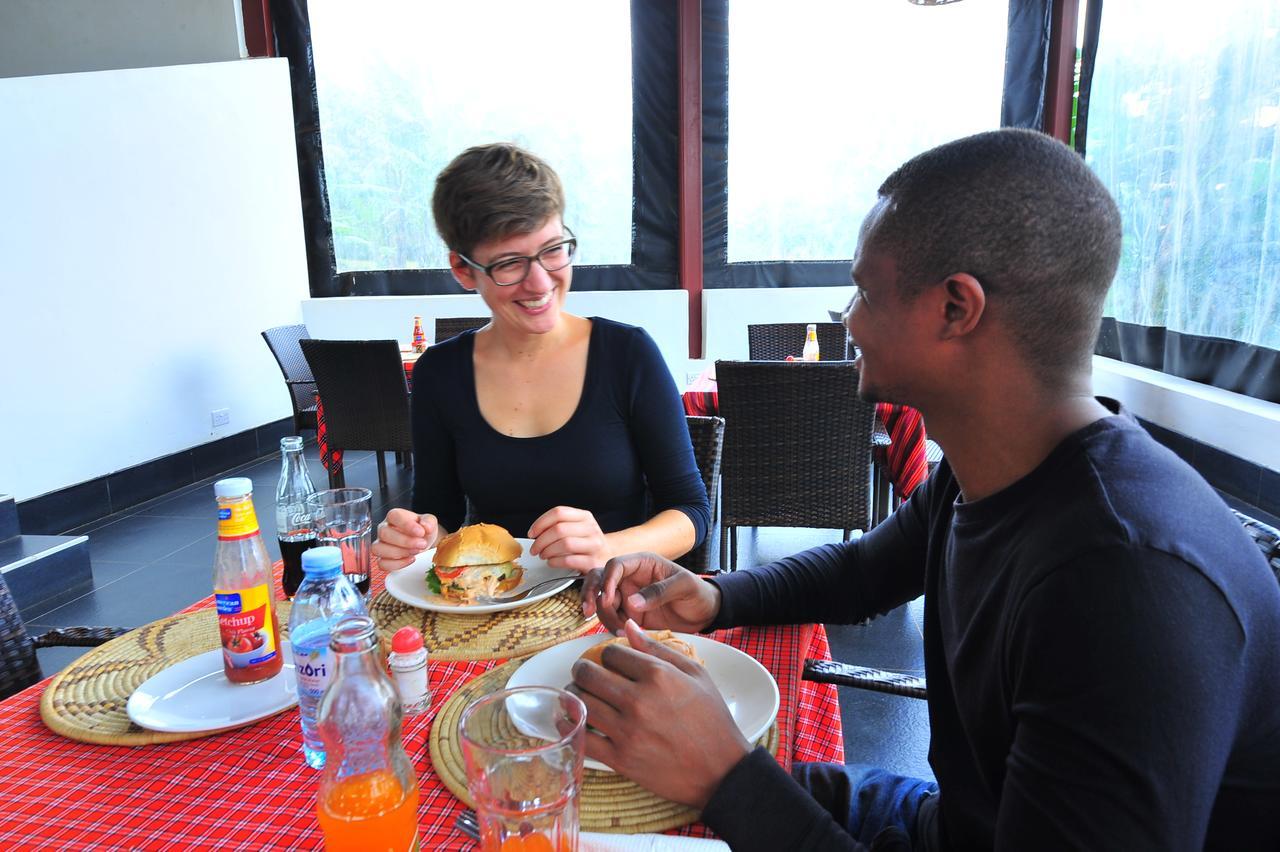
[512,270]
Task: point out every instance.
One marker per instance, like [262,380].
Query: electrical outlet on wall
[221,416]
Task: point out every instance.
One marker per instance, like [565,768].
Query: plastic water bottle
[324,597]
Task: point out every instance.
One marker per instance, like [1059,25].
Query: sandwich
[596,652]
[475,560]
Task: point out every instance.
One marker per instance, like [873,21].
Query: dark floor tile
[54,660]
[887,731]
[197,553]
[1229,473]
[195,503]
[145,539]
[59,511]
[892,641]
[143,482]
[105,572]
[135,599]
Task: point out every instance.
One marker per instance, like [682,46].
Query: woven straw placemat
[609,802]
[486,636]
[86,700]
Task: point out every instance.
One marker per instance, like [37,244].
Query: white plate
[409,584]
[746,686]
[195,695]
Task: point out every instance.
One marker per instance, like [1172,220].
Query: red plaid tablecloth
[248,788]
[904,459]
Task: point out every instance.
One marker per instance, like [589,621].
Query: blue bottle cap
[322,562]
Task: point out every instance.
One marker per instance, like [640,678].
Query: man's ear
[965,302]
[462,273]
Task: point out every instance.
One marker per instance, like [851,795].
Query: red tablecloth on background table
[904,459]
[249,789]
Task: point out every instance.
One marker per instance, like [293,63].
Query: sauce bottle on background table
[294,530]
[248,625]
[810,352]
[324,598]
[368,796]
[419,339]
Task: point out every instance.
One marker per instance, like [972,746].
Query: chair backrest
[362,388]
[284,343]
[707,436]
[774,341]
[447,327]
[797,445]
[19,667]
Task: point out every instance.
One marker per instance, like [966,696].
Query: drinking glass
[523,750]
[343,517]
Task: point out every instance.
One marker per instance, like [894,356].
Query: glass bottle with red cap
[408,664]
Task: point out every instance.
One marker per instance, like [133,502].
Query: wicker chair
[776,340]
[447,327]
[707,435]
[797,448]
[19,667]
[366,402]
[283,342]
[914,686]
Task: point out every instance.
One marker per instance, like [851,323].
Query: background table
[248,788]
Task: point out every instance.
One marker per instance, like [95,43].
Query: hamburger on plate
[596,652]
[475,560]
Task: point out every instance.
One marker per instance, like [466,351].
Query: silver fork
[467,823]
[524,593]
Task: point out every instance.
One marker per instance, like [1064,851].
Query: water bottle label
[237,521]
[313,668]
[245,626]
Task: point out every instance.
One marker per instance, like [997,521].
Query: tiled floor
[156,558]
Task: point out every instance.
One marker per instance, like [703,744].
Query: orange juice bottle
[368,796]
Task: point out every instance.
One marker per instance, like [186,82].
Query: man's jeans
[867,800]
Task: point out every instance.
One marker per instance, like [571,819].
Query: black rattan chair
[914,686]
[19,666]
[283,342]
[707,435]
[366,402]
[774,341]
[447,327]
[797,448]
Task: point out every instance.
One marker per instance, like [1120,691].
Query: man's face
[886,328]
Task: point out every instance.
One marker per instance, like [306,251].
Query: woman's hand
[655,592]
[402,536]
[657,718]
[565,537]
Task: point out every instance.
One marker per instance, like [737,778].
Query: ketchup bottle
[247,622]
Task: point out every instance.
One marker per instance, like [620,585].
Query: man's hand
[565,537]
[402,536]
[655,592]
[658,719]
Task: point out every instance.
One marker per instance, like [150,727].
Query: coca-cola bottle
[294,529]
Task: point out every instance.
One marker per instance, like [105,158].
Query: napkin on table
[592,842]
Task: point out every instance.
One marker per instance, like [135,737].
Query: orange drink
[369,812]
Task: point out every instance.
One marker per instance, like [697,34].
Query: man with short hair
[1101,638]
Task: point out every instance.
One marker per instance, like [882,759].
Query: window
[826,98]
[404,86]
[1184,127]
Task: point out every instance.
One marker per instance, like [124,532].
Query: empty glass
[342,517]
[523,750]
